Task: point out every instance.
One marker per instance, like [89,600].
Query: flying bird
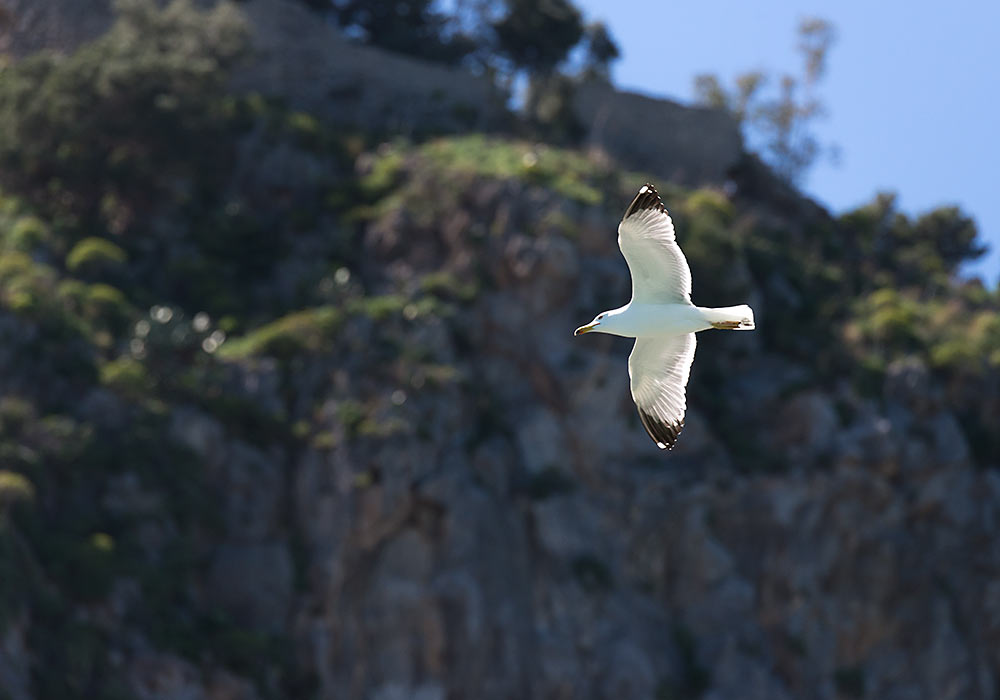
[660,317]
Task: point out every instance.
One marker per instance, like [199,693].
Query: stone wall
[686,144]
[316,68]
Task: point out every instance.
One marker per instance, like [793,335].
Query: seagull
[660,317]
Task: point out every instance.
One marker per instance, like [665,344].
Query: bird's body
[660,317]
[636,320]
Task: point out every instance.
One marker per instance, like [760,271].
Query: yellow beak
[584,329]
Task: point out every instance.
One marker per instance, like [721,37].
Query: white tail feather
[742,315]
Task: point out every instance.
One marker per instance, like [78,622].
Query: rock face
[557,554]
[444,494]
[27,26]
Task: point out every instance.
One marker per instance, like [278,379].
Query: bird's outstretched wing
[658,369]
[660,272]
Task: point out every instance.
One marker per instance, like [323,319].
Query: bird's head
[594,325]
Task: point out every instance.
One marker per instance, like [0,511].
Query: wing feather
[658,369]
[660,272]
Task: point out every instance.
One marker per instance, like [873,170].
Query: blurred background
[290,405]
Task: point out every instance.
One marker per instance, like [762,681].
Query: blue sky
[911,90]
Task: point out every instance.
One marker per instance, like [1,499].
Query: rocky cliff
[299,413]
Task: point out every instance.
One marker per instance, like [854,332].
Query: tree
[884,246]
[781,122]
[411,27]
[601,50]
[538,35]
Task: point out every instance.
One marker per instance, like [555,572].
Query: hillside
[292,410]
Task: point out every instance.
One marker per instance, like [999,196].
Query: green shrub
[73,293]
[379,308]
[709,203]
[351,415]
[14,488]
[108,307]
[14,264]
[712,249]
[955,354]
[307,131]
[95,255]
[30,290]
[15,413]
[128,377]
[446,285]
[124,115]
[893,321]
[27,233]
[303,331]
[26,286]
[568,172]
[385,172]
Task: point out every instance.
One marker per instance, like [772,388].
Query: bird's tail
[730,318]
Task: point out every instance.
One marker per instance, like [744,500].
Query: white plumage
[660,317]
[660,272]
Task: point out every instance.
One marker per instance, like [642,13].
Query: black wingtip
[663,434]
[647,198]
